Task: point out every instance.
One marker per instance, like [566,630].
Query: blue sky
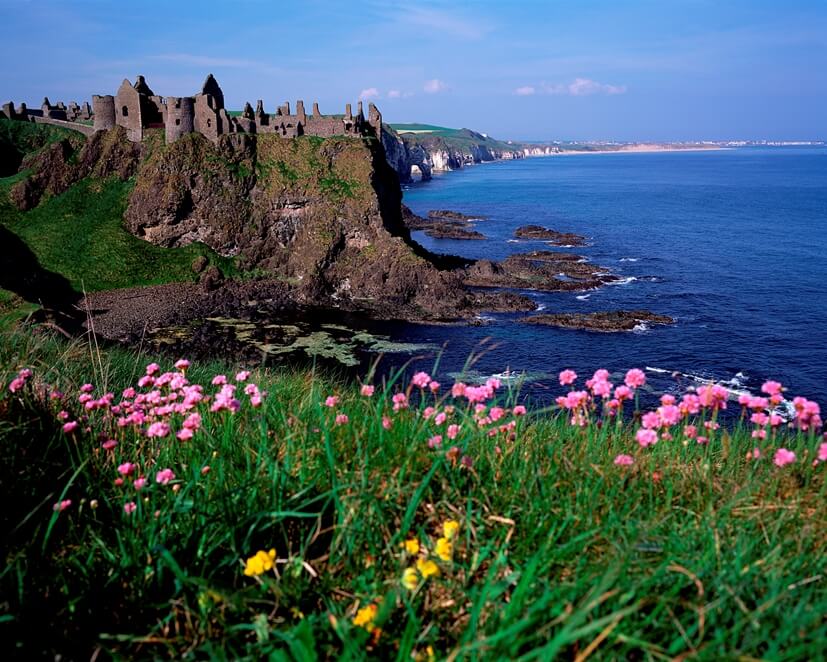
[552,69]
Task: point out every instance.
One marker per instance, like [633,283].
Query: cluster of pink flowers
[19,382]
[160,405]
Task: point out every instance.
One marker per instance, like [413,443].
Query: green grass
[694,552]
[80,235]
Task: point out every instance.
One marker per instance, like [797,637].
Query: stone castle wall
[135,107]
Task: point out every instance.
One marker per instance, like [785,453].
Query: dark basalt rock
[552,236]
[452,231]
[606,322]
[544,273]
[447,215]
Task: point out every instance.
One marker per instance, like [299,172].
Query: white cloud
[525,91]
[394,94]
[434,86]
[436,20]
[583,87]
[369,93]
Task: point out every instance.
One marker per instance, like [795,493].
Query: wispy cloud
[439,20]
[399,94]
[369,93]
[434,86]
[204,60]
[579,87]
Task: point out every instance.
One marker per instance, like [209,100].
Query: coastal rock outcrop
[605,322]
[323,215]
[553,237]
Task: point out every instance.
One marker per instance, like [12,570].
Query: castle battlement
[136,108]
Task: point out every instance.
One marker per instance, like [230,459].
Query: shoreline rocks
[604,322]
[547,273]
[555,238]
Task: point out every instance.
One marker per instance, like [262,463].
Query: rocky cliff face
[416,156]
[322,215]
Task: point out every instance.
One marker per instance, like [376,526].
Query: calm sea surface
[733,244]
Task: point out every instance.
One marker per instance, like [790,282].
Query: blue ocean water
[731,243]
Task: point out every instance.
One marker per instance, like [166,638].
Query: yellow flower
[410,578]
[427,568]
[450,528]
[365,616]
[411,546]
[444,549]
[260,563]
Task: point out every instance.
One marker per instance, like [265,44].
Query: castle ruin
[137,108]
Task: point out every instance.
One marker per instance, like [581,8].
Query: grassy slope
[79,234]
[559,552]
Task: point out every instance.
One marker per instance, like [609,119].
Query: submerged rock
[608,321]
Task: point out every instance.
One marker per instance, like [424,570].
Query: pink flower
[387,423]
[623,393]
[152,368]
[421,379]
[567,377]
[341,419]
[60,506]
[219,380]
[139,483]
[16,384]
[690,432]
[440,418]
[428,412]
[193,421]
[87,388]
[433,387]
[70,427]
[458,390]
[602,388]
[646,437]
[400,401]
[367,390]
[496,413]
[453,431]
[164,476]
[157,430]
[205,470]
[759,434]
[519,410]
[624,460]
[242,375]
[109,444]
[651,420]
[255,400]
[783,457]
[754,454]
[129,507]
[146,380]
[771,388]
[669,414]
[182,364]
[331,401]
[126,468]
[822,452]
[184,434]
[435,441]
[635,378]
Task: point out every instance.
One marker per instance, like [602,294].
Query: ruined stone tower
[180,117]
[103,108]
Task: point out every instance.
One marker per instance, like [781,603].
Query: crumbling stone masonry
[136,108]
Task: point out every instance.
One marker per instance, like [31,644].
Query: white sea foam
[629,259]
[582,297]
[542,306]
[640,328]
[512,241]
[623,281]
